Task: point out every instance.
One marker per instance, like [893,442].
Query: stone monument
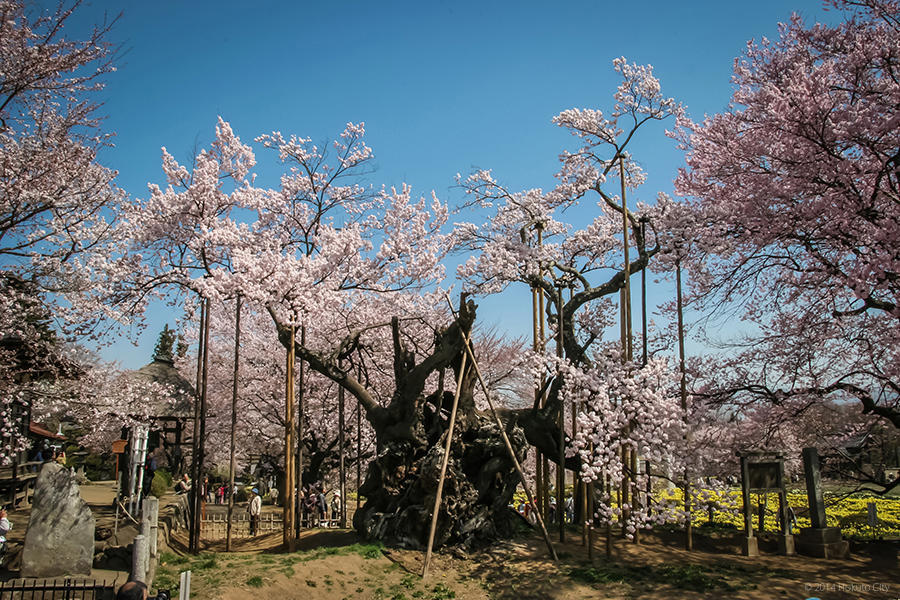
[60,536]
[818,540]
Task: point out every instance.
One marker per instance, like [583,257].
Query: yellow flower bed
[848,513]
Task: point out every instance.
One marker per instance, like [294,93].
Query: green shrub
[162,483]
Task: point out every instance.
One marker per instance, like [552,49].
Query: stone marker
[60,535]
[819,540]
[814,488]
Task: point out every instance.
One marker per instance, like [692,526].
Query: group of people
[312,502]
[528,510]
[315,508]
[45,452]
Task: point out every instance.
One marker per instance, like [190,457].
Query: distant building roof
[162,370]
[42,431]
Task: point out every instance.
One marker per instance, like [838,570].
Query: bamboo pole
[545,466]
[444,460]
[234,400]
[589,517]
[288,534]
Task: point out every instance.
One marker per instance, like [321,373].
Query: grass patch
[204,562]
[255,581]
[442,592]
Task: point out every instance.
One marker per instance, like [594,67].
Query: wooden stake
[444,460]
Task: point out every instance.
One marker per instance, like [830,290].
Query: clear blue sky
[442,86]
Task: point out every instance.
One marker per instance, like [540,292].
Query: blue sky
[443,87]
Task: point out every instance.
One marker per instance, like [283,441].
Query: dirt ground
[329,566]
[332,564]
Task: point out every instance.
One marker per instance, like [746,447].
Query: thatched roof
[162,370]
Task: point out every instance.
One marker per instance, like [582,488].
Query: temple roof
[162,370]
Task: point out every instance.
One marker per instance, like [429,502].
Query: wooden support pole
[342,518]
[358,448]
[444,460]
[506,442]
[300,387]
[200,434]
[561,469]
[234,399]
[688,524]
[536,346]
[288,534]
[193,515]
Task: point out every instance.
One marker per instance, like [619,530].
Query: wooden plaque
[764,476]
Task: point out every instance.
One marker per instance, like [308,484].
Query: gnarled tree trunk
[401,481]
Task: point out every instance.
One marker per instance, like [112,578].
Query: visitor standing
[336,507]
[254,508]
[183,486]
[322,505]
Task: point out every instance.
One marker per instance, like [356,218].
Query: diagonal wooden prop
[512,454]
[444,461]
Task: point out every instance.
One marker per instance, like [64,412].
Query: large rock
[60,535]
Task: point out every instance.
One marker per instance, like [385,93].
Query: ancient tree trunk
[401,481]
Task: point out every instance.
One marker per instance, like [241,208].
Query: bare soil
[328,567]
[332,564]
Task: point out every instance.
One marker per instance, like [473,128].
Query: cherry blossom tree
[793,196]
[57,203]
[261,400]
[59,244]
[356,274]
[579,272]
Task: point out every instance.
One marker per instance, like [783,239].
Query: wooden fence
[214,527]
